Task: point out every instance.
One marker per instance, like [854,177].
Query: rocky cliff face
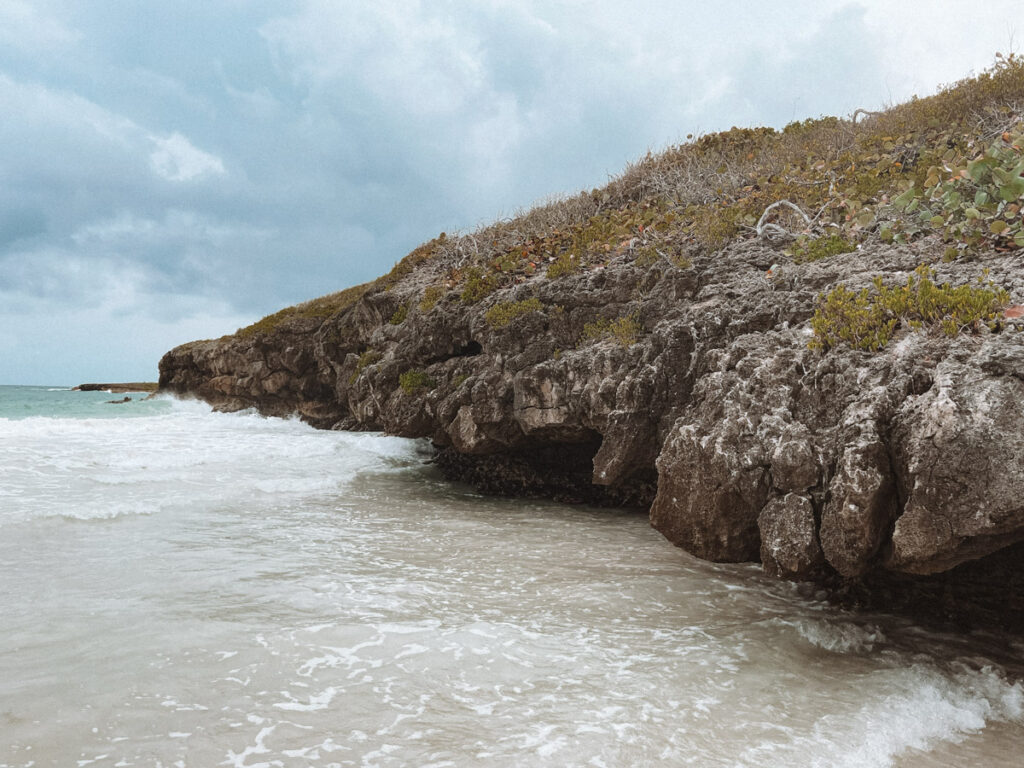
[697,396]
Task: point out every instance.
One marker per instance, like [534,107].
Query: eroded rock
[961,451]
[744,443]
[789,538]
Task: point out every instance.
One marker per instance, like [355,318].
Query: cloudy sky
[175,170]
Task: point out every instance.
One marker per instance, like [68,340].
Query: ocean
[186,588]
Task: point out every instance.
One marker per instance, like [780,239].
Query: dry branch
[866,113]
[764,228]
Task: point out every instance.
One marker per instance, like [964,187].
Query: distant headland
[117,389]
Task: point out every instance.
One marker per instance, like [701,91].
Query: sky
[176,170]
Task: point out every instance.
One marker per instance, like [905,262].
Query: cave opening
[471,349]
[561,471]
[979,594]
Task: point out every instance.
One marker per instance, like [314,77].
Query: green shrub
[504,313]
[566,263]
[400,314]
[713,225]
[507,262]
[478,286]
[680,261]
[647,256]
[414,380]
[431,295]
[806,250]
[625,330]
[368,358]
[969,199]
[868,319]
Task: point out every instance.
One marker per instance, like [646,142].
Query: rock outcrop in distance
[626,355]
[119,388]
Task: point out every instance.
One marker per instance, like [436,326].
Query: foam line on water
[925,705]
[108,468]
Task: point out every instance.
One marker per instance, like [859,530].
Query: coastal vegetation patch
[431,295]
[366,359]
[415,380]
[806,250]
[867,319]
[949,166]
[478,285]
[504,313]
[626,330]
[417,256]
[400,314]
[841,176]
[322,307]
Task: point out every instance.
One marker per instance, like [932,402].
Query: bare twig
[764,228]
[866,113]
[820,211]
[993,122]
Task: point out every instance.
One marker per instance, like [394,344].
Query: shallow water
[179,587]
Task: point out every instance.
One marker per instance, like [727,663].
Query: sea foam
[269,594]
[102,469]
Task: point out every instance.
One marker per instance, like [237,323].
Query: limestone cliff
[801,348]
[745,443]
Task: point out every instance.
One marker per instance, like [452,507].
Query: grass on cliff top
[323,307]
[950,164]
[841,173]
[331,304]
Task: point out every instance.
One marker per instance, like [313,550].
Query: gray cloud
[174,170]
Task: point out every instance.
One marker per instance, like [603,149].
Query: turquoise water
[61,402]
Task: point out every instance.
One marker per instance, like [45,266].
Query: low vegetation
[415,380]
[844,182]
[567,263]
[504,313]
[431,295]
[478,285]
[368,358]
[949,166]
[625,330]
[868,319]
[417,256]
[400,314]
[323,307]
[806,250]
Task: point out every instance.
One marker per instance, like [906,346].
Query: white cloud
[67,131]
[175,158]
[174,164]
[517,100]
[23,25]
[48,114]
[63,276]
[926,43]
[118,339]
[129,230]
[416,60]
